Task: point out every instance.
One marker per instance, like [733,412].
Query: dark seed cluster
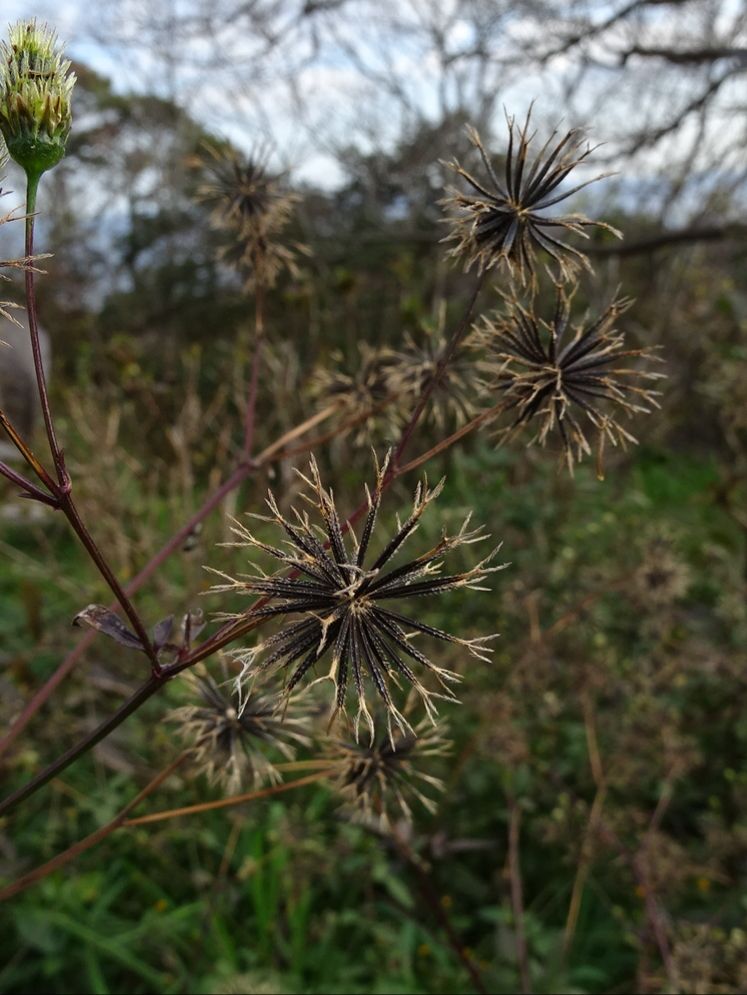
[505,221]
[378,781]
[229,743]
[342,609]
[567,378]
[252,207]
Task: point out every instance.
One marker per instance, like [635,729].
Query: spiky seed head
[337,603]
[378,781]
[662,576]
[569,380]
[508,221]
[35,96]
[230,743]
[413,368]
[366,394]
[252,207]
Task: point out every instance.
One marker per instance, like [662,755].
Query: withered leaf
[162,631]
[105,620]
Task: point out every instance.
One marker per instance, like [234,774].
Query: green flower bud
[35,88]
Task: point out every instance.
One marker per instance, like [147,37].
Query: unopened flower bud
[35,88]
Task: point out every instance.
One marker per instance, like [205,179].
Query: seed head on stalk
[338,606]
[378,781]
[567,378]
[505,221]
[229,745]
[252,207]
[35,97]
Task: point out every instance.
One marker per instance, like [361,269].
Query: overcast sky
[341,104]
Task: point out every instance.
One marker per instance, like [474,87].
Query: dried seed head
[252,207]
[662,577]
[342,603]
[506,222]
[567,378]
[378,781]
[414,366]
[230,742]
[365,392]
[35,91]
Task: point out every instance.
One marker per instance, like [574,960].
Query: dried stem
[69,509]
[29,490]
[431,900]
[592,827]
[218,803]
[448,354]
[449,441]
[62,490]
[251,404]
[517,896]
[32,187]
[23,448]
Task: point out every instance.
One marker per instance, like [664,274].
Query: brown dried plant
[252,207]
[504,222]
[414,366]
[341,602]
[229,743]
[566,378]
[378,780]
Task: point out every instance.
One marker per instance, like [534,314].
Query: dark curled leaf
[162,631]
[104,620]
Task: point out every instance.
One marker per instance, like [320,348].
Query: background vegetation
[591,836]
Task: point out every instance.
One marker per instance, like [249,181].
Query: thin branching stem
[32,187]
[432,901]
[29,489]
[24,449]
[250,415]
[62,491]
[452,345]
[219,803]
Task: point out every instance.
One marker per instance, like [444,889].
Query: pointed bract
[569,379]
